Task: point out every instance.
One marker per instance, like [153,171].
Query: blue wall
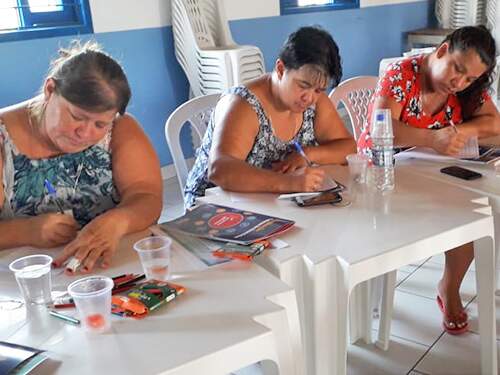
[158,84]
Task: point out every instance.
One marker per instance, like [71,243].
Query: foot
[454,315]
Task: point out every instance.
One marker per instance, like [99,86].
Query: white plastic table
[488,186]
[230,316]
[334,249]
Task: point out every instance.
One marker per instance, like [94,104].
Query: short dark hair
[482,42]
[314,46]
[89,78]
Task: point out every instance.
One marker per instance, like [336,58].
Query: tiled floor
[418,343]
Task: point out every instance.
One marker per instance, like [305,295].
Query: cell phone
[463,173]
[323,198]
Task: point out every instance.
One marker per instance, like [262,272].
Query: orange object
[129,304]
[232,255]
[95,321]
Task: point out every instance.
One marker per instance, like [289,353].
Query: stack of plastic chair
[452,14]
[206,50]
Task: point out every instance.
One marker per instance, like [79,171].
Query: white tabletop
[332,249]
[226,311]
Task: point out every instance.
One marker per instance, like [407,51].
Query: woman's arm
[484,123]
[334,140]
[445,141]
[236,126]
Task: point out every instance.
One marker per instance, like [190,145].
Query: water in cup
[156,269]
[33,277]
[154,252]
[92,296]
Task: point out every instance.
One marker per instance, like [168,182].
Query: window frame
[75,18]
[292,7]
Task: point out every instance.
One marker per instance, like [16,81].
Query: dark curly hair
[311,45]
[481,40]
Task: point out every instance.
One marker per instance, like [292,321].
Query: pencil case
[146,297]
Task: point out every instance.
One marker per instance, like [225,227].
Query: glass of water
[33,277]
[154,253]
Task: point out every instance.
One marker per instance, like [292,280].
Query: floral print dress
[267,147]
[401,82]
[83,181]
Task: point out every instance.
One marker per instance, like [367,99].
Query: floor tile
[415,318]
[423,282]
[453,355]
[473,315]
[402,355]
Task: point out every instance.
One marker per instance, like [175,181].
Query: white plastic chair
[206,50]
[452,14]
[196,112]
[355,94]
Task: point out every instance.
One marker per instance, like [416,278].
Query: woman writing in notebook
[75,140]
[440,100]
[249,143]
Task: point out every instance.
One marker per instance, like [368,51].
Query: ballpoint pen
[452,124]
[301,152]
[52,193]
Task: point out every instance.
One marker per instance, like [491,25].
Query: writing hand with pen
[301,170]
[449,140]
[52,229]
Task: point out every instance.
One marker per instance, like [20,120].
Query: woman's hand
[291,163]
[448,141]
[98,239]
[307,179]
[51,230]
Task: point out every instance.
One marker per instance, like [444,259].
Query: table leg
[484,254]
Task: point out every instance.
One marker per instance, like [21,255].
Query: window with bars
[301,6]
[28,19]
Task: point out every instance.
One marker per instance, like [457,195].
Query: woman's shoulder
[407,66]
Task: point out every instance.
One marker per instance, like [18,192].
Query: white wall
[120,15]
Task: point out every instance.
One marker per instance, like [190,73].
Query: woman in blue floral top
[249,142]
[76,136]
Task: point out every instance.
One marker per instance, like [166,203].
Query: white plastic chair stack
[452,14]
[206,50]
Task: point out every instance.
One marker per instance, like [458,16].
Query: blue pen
[52,193]
[300,150]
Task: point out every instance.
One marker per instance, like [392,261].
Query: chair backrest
[355,93]
[197,113]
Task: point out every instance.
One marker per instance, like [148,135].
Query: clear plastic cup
[154,253]
[358,164]
[92,297]
[33,277]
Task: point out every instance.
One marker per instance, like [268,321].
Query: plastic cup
[92,297]
[154,253]
[33,277]
[381,125]
[358,164]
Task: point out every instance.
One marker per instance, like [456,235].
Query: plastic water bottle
[382,150]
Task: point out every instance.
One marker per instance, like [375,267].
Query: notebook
[221,223]
[19,359]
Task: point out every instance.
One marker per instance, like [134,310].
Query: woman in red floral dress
[428,93]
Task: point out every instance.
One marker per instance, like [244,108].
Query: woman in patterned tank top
[248,145]
[76,136]
[427,96]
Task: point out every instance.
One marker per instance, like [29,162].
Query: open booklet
[330,185]
[19,359]
[227,224]
[487,155]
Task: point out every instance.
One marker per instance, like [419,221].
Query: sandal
[453,328]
